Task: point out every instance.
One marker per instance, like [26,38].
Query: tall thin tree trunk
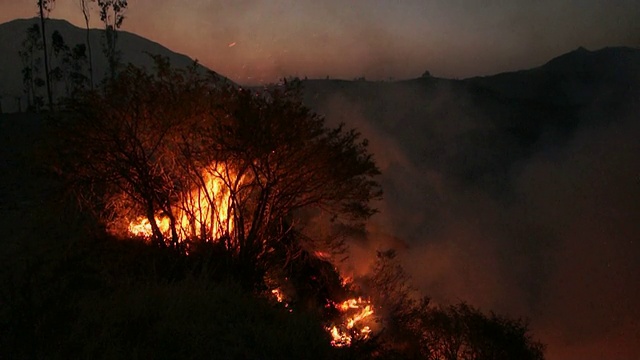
[85,12]
[46,57]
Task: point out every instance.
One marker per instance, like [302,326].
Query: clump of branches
[214,162]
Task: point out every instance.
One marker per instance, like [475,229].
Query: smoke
[551,235]
[589,197]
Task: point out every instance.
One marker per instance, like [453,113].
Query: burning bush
[176,158]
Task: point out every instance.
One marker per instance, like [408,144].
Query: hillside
[135,50]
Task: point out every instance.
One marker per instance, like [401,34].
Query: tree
[112,15]
[45,7]
[461,331]
[85,5]
[69,65]
[203,161]
[31,67]
[59,52]
[397,306]
[75,61]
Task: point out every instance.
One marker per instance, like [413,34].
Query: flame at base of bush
[208,209]
[356,321]
[205,211]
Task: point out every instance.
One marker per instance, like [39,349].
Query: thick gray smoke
[551,234]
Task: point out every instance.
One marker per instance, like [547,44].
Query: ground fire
[356,314]
[207,208]
[202,212]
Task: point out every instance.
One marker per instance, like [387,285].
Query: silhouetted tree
[60,50]
[45,7]
[460,331]
[85,5]
[75,61]
[112,15]
[69,66]
[397,306]
[31,67]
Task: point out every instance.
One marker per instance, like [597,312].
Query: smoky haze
[377,39]
[529,209]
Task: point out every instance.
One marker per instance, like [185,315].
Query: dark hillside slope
[135,49]
[68,291]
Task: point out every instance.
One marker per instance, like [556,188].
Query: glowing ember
[322,255]
[278,294]
[340,339]
[355,313]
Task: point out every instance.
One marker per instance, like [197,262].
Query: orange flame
[355,313]
[278,295]
[208,210]
[204,211]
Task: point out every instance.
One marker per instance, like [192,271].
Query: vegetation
[216,163]
[62,64]
[220,183]
[85,5]
[32,67]
[45,7]
[416,329]
[112,15]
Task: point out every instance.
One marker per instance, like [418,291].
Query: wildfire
[355,313]
[207,211]
[203,212]
[142,227]
[278,295]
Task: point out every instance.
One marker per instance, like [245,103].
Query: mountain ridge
[135,50]
[611,64]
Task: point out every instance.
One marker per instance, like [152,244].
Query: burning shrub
[175,157]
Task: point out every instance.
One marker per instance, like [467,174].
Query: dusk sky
[375,38]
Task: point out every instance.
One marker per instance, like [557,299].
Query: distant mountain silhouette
[475,130]
[135,50]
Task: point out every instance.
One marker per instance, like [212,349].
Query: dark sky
[373,38]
